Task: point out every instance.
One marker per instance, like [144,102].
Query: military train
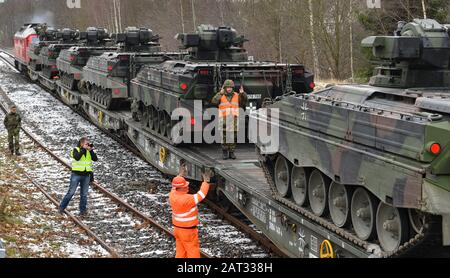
[361,170]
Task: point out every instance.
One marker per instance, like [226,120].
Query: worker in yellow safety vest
[82,163]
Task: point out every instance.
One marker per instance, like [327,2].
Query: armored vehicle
[107,77]
[47,36]
[48,55]
[373,159]
[71,61]
[215,54]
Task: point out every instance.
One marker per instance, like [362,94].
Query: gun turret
[95,36]
[137,39]
[67,36]
[210,43]
[417,57]
[48,34]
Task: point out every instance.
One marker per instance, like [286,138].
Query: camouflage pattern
[49,53]
[379,137]
[229,126]
[71,61]
[214,55]
[228,84]
[107,76]
[13,123]
[47,37]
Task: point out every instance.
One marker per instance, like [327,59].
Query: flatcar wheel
[282,179]
[339,198]
[392,227]
[417,220]
[318,192]
[299,185]
[363,212]
[162,123]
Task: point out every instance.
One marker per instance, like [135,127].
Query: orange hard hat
[180,183]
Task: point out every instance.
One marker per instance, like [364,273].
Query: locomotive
[27,35]
[373,159]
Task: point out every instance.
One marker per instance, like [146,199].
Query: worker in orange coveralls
[185,214]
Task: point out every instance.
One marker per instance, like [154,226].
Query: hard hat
[228,84]
[180,183]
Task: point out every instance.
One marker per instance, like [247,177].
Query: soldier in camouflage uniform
[229,103]
[13,123]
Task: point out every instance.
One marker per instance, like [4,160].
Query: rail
[97,186]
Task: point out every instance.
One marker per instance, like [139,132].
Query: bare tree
[424,7]
[313,39]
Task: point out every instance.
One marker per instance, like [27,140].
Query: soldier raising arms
[13,123]
[229,103]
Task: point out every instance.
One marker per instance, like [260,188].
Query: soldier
[13,123]
[229,103]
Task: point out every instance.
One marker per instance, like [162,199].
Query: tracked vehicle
[47,36]
[373,159]
[215,54]
[107,77]
[71,61]
[48,54]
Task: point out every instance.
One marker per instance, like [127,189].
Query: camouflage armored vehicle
[46,37]
[48,55]
[215,54]
[107,77]
[373,159]
[71,61]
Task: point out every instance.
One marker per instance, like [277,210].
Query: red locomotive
[28,34]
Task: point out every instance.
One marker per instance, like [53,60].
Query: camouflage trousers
[231,147]
[13,140]
[230,129]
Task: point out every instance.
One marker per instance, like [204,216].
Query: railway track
[248,248]
[117,226]
[9,61]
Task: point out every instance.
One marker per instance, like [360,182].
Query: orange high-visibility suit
[185,217]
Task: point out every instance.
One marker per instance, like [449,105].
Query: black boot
[18,153]
[232,156]
[225,155]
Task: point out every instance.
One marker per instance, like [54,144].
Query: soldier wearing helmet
[185,214]
[229,103]
[13,123]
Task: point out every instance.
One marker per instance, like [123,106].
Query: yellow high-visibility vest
[84,164]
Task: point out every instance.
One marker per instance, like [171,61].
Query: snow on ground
[29,223]
[118,169]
